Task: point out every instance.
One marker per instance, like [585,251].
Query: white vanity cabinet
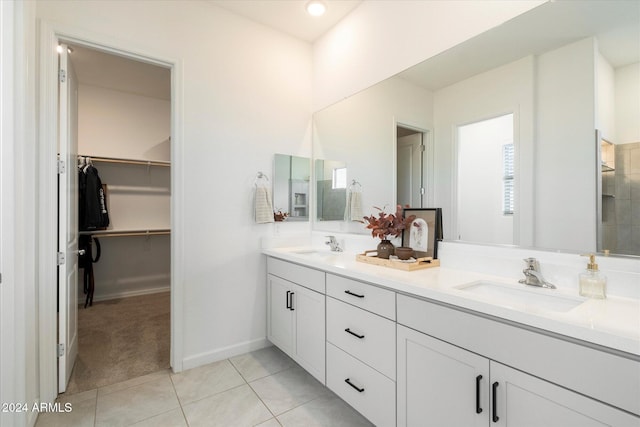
[361,360]
[296,314]
[440,384]
[449,385]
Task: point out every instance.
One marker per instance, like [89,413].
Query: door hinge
[422,191]
[60,349]
[60,258]
[63,76]
[422,147]
[62,166]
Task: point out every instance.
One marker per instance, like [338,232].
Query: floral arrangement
[279,215]
[387,224]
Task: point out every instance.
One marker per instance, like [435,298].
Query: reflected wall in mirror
[331,189]
[485,181]
[291,186]
[412,166]
[560,84]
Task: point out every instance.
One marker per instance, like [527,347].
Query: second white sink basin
[534,299]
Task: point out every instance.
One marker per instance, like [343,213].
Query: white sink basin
[528,298]
[315,253]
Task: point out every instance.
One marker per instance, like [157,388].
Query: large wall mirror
[512,123]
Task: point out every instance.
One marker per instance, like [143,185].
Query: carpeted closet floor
[121,339]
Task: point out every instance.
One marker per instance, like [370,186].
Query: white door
[67,222]
[522,400]
[309,314]
[280,320]
[440,382]
[409,167]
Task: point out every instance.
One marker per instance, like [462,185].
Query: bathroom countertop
[613,323]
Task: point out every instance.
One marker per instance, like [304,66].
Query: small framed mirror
[291,186]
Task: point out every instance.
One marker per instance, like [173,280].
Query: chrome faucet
[333,244]
[533,276]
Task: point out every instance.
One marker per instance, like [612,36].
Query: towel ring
[355,186]
[261,178]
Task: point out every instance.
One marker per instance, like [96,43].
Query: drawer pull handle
[351,293]
[349,331]
[291,301]
[478,408]
[360,390]
[288,300]
[495,417]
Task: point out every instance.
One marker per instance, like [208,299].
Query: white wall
[246,93]
[627,107]
[112,123]
[383,37]
[361,131]
[480,181]
[566,145]
[503,90]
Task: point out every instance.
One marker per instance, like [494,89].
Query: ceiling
[290,16]
[615,24]
[497,46]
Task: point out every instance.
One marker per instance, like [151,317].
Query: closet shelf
[126,233]
[129,161]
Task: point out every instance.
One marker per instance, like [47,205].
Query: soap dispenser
[593,284]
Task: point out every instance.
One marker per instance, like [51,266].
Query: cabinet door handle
[478,408]
[495,417]
[351,293]
[360,390]
[349,331]
[291,301]
[288,300]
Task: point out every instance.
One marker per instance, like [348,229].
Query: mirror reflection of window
[339,178]
[507,179]
[486,180]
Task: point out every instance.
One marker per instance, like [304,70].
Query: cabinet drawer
[364,335]
[370,393]
[378,300]
[307,277]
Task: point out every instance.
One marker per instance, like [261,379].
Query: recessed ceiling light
[316,8]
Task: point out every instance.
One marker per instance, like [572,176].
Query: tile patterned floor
[264,388]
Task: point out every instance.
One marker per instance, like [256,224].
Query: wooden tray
[426,262]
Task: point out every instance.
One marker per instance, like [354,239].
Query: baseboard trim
[125,294]
[224,353]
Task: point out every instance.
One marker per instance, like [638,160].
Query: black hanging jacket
[92,210]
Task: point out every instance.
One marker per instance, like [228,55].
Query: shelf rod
[100,233]
[129,161]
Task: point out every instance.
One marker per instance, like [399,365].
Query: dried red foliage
[384,224]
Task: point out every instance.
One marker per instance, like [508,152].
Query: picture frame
[425,231]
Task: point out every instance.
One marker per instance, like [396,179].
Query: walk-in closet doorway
[120,113]
[126,120]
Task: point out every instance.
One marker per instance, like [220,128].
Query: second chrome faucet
[533,276]
[333,244]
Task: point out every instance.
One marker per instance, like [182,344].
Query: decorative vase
[385,249]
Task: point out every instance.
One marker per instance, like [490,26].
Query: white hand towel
[263,205]
[355,202]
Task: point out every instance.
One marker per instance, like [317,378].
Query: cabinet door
[522,400]
[280,316]
[309,343]
[440,384]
